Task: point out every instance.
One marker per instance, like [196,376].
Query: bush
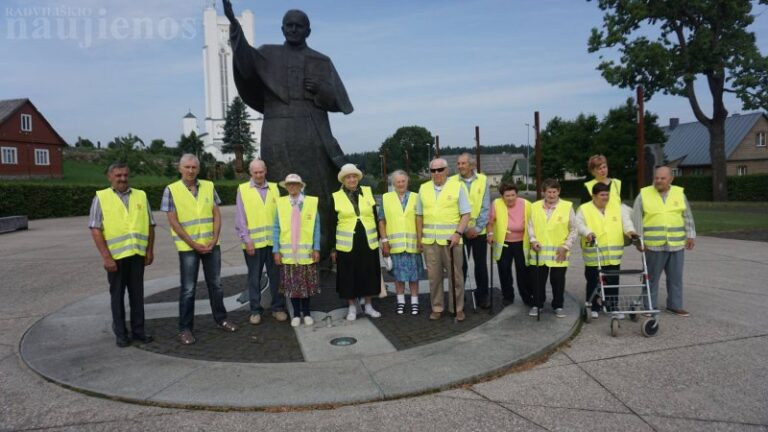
[40,201]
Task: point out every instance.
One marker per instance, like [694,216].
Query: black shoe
[484,303]
[144,339]
[122,343]
[508,301]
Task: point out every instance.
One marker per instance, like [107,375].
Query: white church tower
[220,88]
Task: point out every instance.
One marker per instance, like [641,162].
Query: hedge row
[39,201]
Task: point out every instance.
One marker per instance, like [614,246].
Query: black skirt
[358,272]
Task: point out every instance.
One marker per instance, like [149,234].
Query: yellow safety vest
[550,234]
[441,214]
[401,223]
[195,214]
[615,192]
[609,231]
[347,219]
[125,230]
[259,214]
[303,254]
[663,222]
[476,192]
[500,227]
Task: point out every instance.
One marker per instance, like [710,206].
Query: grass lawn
[711,218]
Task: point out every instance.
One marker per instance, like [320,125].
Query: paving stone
[269,342]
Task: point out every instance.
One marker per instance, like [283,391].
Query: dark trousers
[130,275]
[513,252]
[593,289]
[556,280]
[478,247]
[256,263]
[189,265]
[300,306]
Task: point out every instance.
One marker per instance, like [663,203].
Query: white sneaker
[351,315]
[620,316]
[534,312]
[595,315]
[295,322]
[371,312]
[560,313]
[308,321]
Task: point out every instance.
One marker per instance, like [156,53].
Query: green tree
[128,149]
[237,130]
[408,149]
[566,145]
[157,146]
[691,39]
[84,143]
[617,140]
[191,144]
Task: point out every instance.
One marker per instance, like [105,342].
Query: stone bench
[13,223]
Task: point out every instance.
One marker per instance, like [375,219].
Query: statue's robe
[296,134]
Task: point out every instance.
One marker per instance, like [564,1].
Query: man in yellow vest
[663,215]
[123,229]
[442,215]
[255,211]
[475,240]
[601,222]
[192,207]
[551,230]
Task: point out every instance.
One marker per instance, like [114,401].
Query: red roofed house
[29,146]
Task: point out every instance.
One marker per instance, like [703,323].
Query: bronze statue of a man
[294,87]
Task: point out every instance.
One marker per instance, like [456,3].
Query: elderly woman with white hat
[296,247]
[358,272]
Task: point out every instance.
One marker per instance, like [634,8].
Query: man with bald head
[294,87]
[442,215]
[663,215]
[255,212]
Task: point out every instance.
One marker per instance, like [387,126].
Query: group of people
[449,220]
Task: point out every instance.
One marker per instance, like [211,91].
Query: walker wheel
[650,328]
[614,327]
[587,314]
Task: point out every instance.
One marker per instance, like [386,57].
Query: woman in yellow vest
[508,236]
[296,247]
[356,254]
[397,227]
[598,167]
[551,231]
[607,224]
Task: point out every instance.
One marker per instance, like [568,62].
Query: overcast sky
[445,65]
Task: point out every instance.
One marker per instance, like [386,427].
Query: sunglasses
[436,170]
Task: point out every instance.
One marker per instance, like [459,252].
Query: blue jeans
[671,263]
[256,263]
[189,264]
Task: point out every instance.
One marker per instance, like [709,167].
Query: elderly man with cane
[442,215]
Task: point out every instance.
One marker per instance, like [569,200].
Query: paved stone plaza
[706,372]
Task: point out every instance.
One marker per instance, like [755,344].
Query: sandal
[414,308]
[400,308]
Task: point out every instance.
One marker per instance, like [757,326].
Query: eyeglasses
[436,170]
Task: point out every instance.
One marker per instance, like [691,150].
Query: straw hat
[292,178]
[348,169]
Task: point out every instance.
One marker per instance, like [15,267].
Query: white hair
[397,173]
[254,162]
[471,159]
[189,157]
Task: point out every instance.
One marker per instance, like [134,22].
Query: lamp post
[527,155]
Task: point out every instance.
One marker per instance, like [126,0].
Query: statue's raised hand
[228,12]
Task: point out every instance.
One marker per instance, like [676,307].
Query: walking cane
[490,287]
[453,284]
[538,294]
